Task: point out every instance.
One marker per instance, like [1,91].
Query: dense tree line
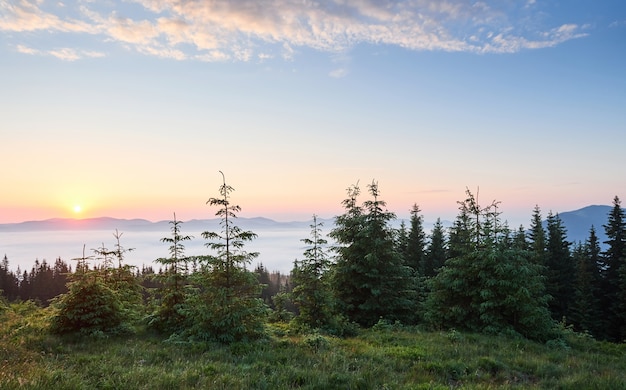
[478,275]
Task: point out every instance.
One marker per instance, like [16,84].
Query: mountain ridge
[577,223]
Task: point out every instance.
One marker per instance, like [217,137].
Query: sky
[130,109]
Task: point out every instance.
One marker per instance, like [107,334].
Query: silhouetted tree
[436,252]
[614,272]
[416,244]
[585,307]
[537,237]
[560,269]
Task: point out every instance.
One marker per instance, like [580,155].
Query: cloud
[66,54]
[242,30]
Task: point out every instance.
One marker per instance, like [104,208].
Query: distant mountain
[579,222]
[107,223]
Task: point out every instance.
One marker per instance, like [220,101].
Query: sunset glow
[132,111]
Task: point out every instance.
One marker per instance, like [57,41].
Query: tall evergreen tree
[585,308]
[416,243]
[459,238]
[614,272]
[228,307]
[537,237]
[560,269]
[370,279]
[492,288]
[9,284]
[436,252]
[311,292]
[170,315]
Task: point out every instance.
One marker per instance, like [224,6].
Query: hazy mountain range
[278,243]
[577,223]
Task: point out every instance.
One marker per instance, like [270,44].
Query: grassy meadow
[384,357]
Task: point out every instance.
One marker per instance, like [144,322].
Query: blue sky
[130,108]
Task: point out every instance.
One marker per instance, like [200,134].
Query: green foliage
[585,311]
[494,288]
[436,252]
[226,307]
[225,314]
[89,306]
[416,244]
[169,315]
[394,358]
[369,278]
[311,293]
[104,300]
[560,269]
[614,272]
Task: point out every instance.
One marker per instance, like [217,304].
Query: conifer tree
[311,292]
[8,281]
[560,269]
[90,305]
[459,239]
[436,252]
[537,237]
[614,272]
[227,307]
[416,243]
[492,288]
[170,315]
[585,308]
[370,280]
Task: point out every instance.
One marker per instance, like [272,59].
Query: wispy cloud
[242,30]
[66,54]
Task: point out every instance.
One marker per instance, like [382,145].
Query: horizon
[132,109]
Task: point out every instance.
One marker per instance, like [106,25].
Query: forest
[477,276]
[476,305]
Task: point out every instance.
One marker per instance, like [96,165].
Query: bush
[89,307]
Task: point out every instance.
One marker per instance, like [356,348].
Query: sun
[77,208]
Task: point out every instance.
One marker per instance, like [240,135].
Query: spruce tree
[416,243]
[169,315]
[91,305]
[311,292]
[370,280]
[436,252]
[537,237]
[492,287]
[459,238]
[227,307]
[585,309]
[614,272]
[9,283]
[560,269]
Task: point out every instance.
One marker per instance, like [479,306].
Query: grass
[380,358]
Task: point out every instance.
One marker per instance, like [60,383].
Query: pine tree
[90,305]
[311,292]
[492,288]
[614,272]
[227,307]
[170,315]
[9,284]
[560,269]
[537,237]
[436,253]
[416,243]
[370,279]
[585,308]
